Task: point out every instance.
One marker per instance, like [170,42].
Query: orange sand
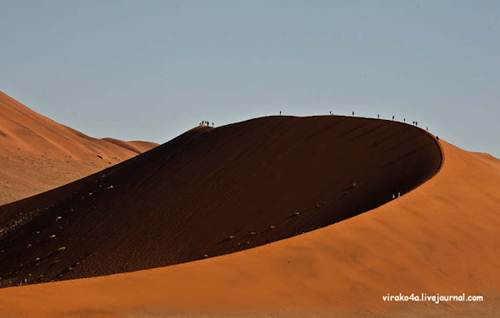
[441,237]
[213,191]
[37,153]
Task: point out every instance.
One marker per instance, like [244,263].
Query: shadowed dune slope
[214,191]
[37,153]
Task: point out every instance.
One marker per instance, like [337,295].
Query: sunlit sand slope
[37,153]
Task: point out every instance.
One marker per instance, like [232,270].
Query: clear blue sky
[152,69]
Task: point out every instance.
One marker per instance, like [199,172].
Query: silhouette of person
[392,117]
[378,115]
[353,113]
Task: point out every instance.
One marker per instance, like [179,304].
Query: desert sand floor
[439,238]
[38,154]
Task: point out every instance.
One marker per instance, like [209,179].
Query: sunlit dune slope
[441,237]
[214,191]
[37,154]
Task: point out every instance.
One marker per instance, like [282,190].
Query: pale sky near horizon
[152,69]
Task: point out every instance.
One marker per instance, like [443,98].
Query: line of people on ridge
[414,123]
[205,123]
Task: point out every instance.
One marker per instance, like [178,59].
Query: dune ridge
[37,153]
[213,191]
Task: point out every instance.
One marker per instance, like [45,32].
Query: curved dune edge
[441,237]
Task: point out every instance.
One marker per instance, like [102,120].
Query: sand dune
[211,192]
[37,153]
[441,237]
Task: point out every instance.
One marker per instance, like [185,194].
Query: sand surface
[211,192]
[442,237]
[37,153]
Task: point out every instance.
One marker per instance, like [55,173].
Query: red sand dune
[37,154]
[440,237]
[213,191]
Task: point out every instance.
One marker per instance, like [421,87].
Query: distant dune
[440,237]
[211,192]
[37,153]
